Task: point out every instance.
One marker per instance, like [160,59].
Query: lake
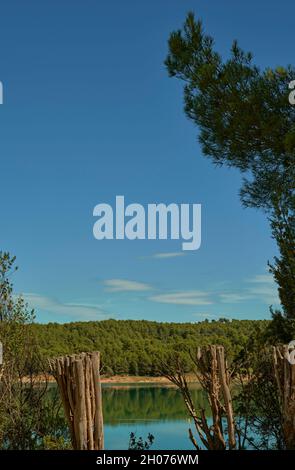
[144,409]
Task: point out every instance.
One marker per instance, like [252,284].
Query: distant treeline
[138,347]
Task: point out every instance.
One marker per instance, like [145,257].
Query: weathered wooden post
[1,360]
[214,377]
[284,368]
[78,379]
[213,374]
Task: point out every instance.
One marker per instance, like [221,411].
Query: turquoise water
[168,435]
[144,409]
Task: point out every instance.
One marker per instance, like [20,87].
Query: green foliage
[257,401]
[243,113]
[60,443]
[26,415]
[139,444]
[283,269]
[138,347]
[280,329]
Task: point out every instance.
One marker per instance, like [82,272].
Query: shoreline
[124,380]
[138,379]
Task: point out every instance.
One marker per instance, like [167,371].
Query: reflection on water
[146,403]
[144,409]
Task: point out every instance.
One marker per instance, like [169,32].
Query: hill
[135,347]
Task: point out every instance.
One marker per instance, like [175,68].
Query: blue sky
[90,113]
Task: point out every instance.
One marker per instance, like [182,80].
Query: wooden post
[1,360]
[224,381]
[284,371]
[215,379]
[213,375]
[1,353]
[78,380]
[98,418]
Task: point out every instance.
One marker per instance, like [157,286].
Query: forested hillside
[136,347]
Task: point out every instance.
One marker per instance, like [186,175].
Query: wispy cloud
[60,310]
[164,255]
[173,254]
[261,287]
[183,298]
[233,298]
[262,279]
[123,285]
[264,287]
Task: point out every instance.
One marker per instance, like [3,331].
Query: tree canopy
[243,113]
[137,347]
